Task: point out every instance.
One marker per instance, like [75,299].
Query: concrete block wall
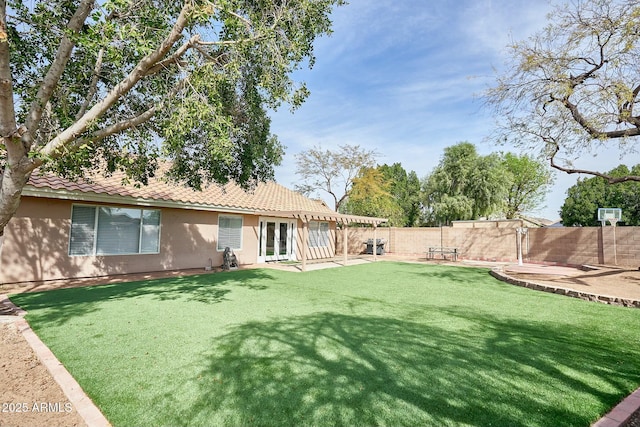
[493,244]
[627,244]
[414,240]
[357,236]
[571,245]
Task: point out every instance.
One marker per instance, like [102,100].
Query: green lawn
[376,344]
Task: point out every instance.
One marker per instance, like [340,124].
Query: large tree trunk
[12,182]
[16,166]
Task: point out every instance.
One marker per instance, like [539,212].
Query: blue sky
[404,78]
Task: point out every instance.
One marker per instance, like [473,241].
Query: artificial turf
[377,344]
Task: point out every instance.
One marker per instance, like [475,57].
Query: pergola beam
[325,216]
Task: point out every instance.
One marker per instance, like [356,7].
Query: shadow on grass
[451,273]
[334,369]
[60,305]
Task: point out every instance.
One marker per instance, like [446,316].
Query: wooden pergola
[345,220]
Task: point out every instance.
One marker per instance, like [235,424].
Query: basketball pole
[520,232]
[613,222]
[613,215]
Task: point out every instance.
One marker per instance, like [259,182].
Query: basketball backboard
[612,215]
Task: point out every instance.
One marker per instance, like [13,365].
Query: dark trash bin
[379,247]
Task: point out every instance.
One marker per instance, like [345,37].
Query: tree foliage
[333,172]
[405,188]
[118,84]
[386,191]
[574,87]
[580,208]
[528,181]
[371,196]
[464,186]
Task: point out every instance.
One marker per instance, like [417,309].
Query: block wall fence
[565,246]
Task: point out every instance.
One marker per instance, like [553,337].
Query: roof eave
[82,196]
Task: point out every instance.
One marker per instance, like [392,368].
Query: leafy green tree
[574,87]
[332,171]
[464,186]
[580,208]
[117,84]
[529,181]
[371,196]
[405,189]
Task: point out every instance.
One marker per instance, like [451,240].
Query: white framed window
[229,232]
[106,230]
[318,234]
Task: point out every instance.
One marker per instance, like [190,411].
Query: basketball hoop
[613,215]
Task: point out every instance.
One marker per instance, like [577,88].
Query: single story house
[65,229]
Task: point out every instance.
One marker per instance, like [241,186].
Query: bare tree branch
[610,179]
[175,58]
[108,131]
[232,42]
[93,87]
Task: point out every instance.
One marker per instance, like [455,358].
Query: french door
[277,238]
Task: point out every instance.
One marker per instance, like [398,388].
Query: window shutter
[83,221]
[324,234]
[313,234]
[318,234]
[229,232]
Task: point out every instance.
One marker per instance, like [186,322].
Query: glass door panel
[282,240]
[271,239]
[277,240]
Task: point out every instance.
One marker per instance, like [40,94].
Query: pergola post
[375,242]
[305,242]
[345,243]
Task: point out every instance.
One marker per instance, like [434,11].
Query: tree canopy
[386,191]
[119,84]
[528,180]
[405,189]
[332,171]
[574,87]
[464,185]
[371,196]
[583,199]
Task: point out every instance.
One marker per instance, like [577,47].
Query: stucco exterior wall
[36,245]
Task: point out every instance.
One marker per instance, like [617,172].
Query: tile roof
[269,196]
